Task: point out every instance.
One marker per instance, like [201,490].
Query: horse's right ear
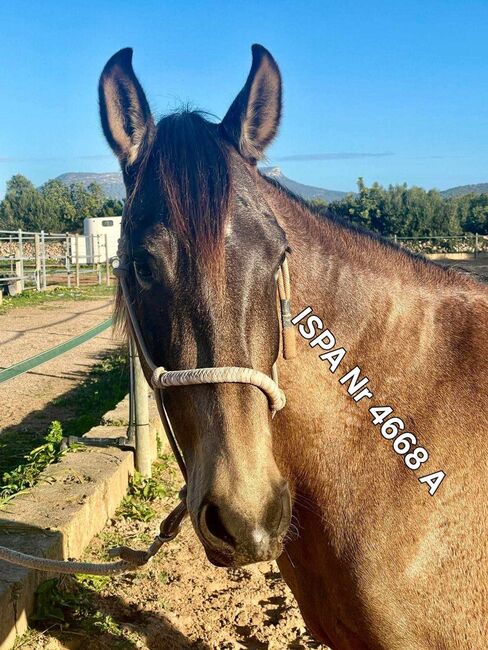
[252,120]
[124,110]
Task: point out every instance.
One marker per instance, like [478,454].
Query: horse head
[203,251]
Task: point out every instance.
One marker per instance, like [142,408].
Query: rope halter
[162,378]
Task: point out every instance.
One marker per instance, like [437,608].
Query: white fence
[38,259]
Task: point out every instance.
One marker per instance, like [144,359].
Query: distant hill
[110,182]
[308,192]
[113,186]
[461,190]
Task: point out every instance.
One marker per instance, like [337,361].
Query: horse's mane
[371,240]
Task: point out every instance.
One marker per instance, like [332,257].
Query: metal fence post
[107,261]
[43,260]
[77,258]
[68,263]
[20,267]
[99,269]
[37,254]
[141,415]
[12,261]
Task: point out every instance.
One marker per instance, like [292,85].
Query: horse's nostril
[210,517]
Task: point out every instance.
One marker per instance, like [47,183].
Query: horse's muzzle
[231,539]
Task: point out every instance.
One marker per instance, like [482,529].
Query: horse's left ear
[253,118]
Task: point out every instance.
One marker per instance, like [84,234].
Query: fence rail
[28,364]
[472,243]
[138,433]
[39,259]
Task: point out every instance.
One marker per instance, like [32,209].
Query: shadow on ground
[78,409]
[109,622]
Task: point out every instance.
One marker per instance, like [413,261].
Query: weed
[69,601]
[131,508]
[27,475]
[163,577]
[142,492]
[96,583]
[112,538]
[146,489]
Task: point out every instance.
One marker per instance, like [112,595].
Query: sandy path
[25,401]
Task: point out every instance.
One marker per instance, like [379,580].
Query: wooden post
[476,245]
[141,411]
[107,261]
[43,260]
[20,270]
[37,253]
[77,258]
[16,287]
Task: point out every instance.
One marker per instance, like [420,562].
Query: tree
[111,208]
[24,207]
[403,211]
[59,205]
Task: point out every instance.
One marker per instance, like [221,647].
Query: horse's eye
[143,271]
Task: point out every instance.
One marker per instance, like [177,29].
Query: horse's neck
[380,305]
[346,277]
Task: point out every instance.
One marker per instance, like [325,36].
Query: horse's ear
[124,110]
[253,118]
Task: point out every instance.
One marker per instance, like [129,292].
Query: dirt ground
[477,267]
[180,601]
[26,401]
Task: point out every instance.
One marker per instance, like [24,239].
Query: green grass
[31,298]
[142,492]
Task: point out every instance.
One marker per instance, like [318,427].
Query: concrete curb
[60,515]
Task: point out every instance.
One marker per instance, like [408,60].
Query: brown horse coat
[375,551]
[374,559]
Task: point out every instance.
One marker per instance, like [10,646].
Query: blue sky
[404,79]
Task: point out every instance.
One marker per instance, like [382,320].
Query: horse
[369,487]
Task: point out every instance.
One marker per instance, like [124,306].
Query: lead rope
[160,378]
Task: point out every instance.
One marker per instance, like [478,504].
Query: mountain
[461,190]
[110,182]
[308,192]
[113,187]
